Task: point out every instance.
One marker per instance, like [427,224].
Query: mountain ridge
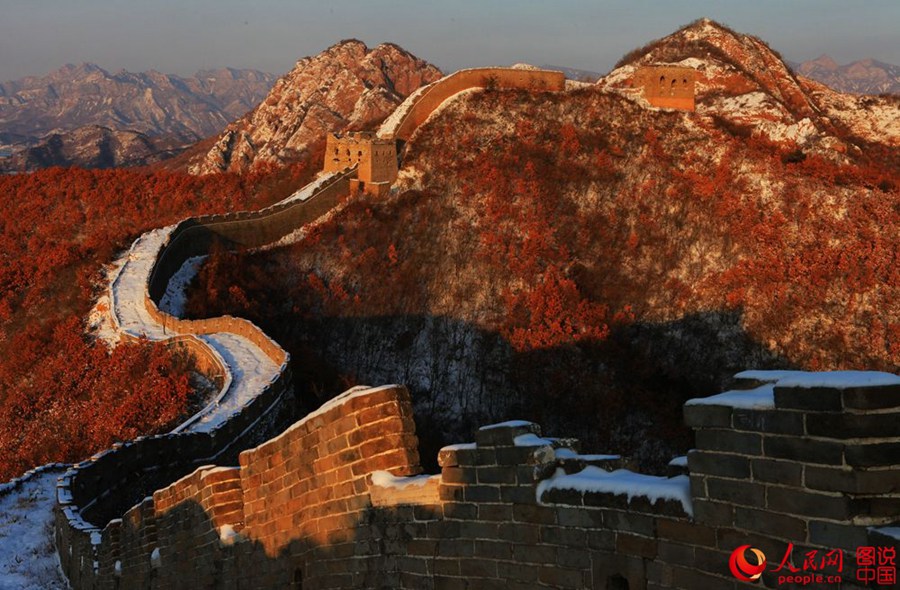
[348,86]
[863,76]
[69,105]
[548,243]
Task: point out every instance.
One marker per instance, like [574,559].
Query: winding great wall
[337,500]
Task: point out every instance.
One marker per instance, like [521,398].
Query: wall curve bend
[250,369]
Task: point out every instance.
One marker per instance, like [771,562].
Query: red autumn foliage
[554,220]
[64,396]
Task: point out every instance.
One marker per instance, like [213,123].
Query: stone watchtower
[376,160]
[668,87]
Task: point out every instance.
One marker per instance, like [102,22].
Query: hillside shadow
[621,395]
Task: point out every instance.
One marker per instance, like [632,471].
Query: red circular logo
[742,569]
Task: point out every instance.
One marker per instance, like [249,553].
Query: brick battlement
[338,501]
[670,87]
[98,490]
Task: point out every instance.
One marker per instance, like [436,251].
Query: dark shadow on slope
[622,395]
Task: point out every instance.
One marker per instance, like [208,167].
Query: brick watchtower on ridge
[375,158]
[668,87]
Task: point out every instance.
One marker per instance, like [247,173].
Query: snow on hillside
[174,300]
[874,118]
[28,559]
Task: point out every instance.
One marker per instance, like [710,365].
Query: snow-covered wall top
[251,370]
[786,462]
[418,106]
[241,359]
[337,500]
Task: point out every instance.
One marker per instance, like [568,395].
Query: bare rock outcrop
[346,87]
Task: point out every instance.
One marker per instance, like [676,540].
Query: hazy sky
[182,36]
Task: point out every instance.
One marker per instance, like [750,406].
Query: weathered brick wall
[315,508]
[305,492]
[669,87]
[294,504]
[93,494]
[194,236]
[475,78]
[336,502]
[379,162]
[815,469]
[102,488]
[376,158]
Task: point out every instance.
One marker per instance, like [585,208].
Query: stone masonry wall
[97,491]
[475,78]
[376,158]
[336,502]
[195,235]
[669,87]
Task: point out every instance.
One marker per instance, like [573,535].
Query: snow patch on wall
[507,424]
[251,372]
[839,379]
[309,190]
[679,461]
[386,479]
[390,125]
[227,535]
[622,482]
[761,398]
[130,286]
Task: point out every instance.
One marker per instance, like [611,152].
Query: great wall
[337,500]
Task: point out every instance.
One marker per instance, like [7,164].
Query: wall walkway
[336,501]
[789,460]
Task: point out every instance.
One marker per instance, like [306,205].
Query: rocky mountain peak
[83,68]
[824,61]
[740,79]
[347,86]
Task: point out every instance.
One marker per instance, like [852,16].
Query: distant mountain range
[575,73]
[84,116]
[38,114]
[866,76]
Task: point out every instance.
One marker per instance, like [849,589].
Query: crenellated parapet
[796,463]
[787,461]
[249,368]
[416,109]
[256,396]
